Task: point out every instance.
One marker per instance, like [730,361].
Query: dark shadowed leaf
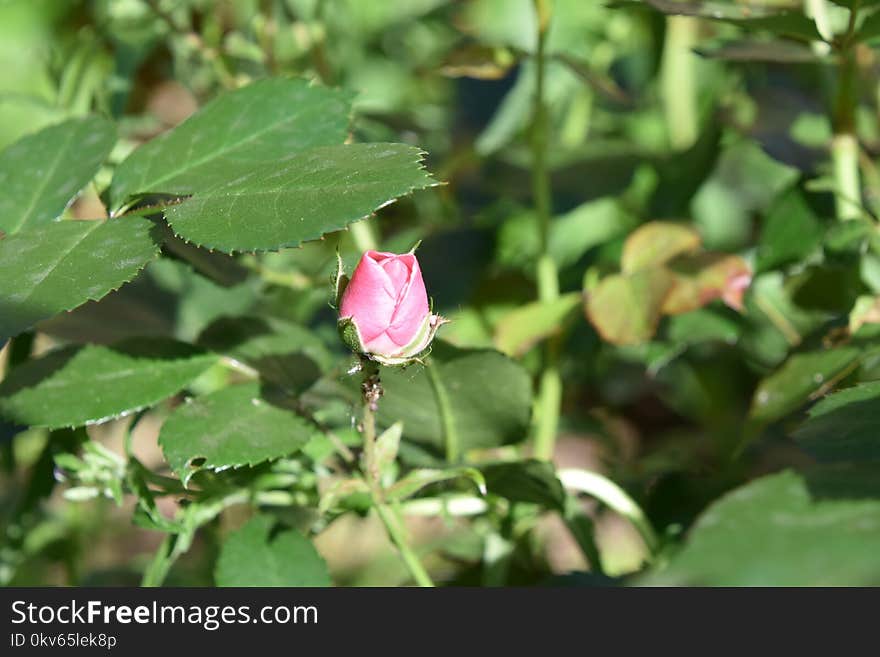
[529,481]
[844,426]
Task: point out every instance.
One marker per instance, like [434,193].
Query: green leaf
[62,265]
[264,554]
[844,426]
[791,232]
[802,375]
[770,533]
[586,226]
[530,481]
[656,243]
[387,445]
[77,386]
[519,330]
[299,197]
[261,123]
[41,173]
[230,428]
[626,309]
[490,398]
[416,480]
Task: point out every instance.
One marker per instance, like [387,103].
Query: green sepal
[350,334]
[340,280]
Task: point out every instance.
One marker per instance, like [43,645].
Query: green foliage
[298,197]
[117,380]
[662,214]
[844,426]
[261,124]
[489,399]
[791,385]
[262,554]
[42,173]
[778,536]
[60,266]
[229,428]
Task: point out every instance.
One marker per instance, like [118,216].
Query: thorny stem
[372,391]
[550,385]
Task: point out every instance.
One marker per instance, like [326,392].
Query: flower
[384,312]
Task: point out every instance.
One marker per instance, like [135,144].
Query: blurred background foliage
[721,138]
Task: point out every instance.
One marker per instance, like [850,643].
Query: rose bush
[660,269]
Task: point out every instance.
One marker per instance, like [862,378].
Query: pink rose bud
[384,312]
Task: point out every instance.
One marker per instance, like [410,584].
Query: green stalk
[550,383]
[363,236]
[845,145]
[679,81]
[372,391]
[447,421]
[397,535]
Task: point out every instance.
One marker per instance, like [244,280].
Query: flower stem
[372,392]
[397,535]
[363,236]
[678,79]
[550,385]
[845,145]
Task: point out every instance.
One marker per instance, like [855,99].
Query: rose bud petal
[384,311]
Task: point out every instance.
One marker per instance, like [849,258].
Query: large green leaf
[490,398]
[791,385]
[263,554]
[263,122]
[770,533]
[62,265]
[73,387]
[844,426]
[42,172]
[232,427]
[299,197]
